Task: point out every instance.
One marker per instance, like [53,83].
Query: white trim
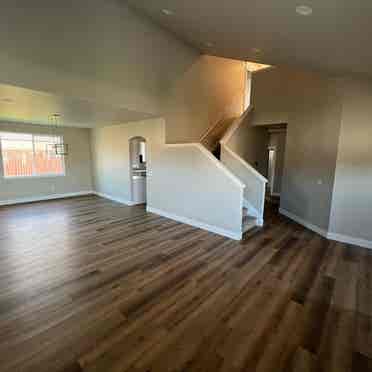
[34,176]
[235,125]
[244,163]
[303,222]
[32,140]
[327,234]
[350,240]
[43,198]
[115,199]
[189,221]
[212,158]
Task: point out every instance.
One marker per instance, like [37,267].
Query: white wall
[189,182]
[78,177]
[182,183]
[255,183]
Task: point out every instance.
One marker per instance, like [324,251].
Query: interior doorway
[138,169]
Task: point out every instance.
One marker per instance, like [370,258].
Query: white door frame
[271,168]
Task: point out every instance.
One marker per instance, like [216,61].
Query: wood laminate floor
[90,285]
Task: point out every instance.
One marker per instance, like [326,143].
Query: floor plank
[90,285]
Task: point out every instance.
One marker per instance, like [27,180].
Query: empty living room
[185,186]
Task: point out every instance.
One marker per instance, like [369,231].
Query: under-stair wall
[254,182]
[190,185]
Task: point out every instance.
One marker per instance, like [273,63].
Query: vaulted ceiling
[334,39]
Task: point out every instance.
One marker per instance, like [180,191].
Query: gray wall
[311,106]
[352,195]
[107,52]
[111,54]
[250,143]
[78,165]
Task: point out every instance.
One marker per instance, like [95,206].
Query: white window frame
[33,135]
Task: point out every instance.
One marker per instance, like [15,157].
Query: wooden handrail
[222,116]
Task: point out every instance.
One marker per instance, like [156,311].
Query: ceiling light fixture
[304,10]
[167,12]
[59,146]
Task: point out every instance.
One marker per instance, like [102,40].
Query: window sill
[33,177]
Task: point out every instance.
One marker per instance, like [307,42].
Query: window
[30,155]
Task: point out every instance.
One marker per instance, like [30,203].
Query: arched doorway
[138,169]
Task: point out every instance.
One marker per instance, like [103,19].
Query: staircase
[225,195]
[212,137]
[216,141]
[249,222]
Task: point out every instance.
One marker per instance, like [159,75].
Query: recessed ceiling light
[304,10]
[167,12]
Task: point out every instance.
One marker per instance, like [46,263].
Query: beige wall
[352,195]
[311,105]
[111,155]
[210,90]
[250,143]
[78,177]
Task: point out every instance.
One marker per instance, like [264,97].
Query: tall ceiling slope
[335,38]
[92,50]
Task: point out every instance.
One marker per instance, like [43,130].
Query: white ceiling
[34,107]
[334,39]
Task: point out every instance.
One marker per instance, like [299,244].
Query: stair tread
[247,219]
[248,223]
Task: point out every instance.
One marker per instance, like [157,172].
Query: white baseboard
[189,221]
[302,222]
[328,234]
[46,197]
[115,199]
[350,240]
